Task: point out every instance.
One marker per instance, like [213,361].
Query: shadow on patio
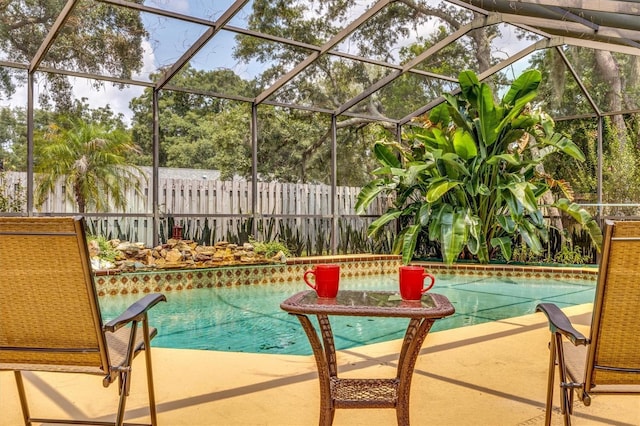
[488,374]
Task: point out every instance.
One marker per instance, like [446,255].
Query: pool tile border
[110,283]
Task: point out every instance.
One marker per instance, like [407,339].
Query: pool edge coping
[352,266]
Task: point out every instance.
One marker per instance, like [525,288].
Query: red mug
[327,278]
[412,282]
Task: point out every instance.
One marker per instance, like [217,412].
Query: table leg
[325,362]
[417,331]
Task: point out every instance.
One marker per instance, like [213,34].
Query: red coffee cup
[412,282]
[327,278]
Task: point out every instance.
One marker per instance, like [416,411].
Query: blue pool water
[249,318]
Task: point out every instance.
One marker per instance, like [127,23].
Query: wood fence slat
[211,196]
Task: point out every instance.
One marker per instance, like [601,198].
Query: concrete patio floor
[488,374]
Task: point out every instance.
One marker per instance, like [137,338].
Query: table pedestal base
[364,393]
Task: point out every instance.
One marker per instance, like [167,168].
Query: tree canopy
[97,37]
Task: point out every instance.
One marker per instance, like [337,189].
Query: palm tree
[93,162]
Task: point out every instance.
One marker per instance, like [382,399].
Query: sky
[170,38]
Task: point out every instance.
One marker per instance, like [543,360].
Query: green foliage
[567,255]
[92,160]
[570,255]
[197,131]
[107,251]
[523,254]
[621,170]
[269,248]
[13,139]
[291,235]
[469,175]
[581,175]
[96,39]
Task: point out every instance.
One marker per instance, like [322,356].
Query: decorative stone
[179,253]
[173,256]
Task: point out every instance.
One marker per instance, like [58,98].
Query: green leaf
[524,194]
[469,85]
[583,218]
[526,83]
[489,115]
[483,189]
[386,155]
[409,243]
[437,190]
[476,237]
[464,144]
[566,145]
[453,236]
[530,237]
[505,245]
[414,171]
[423,215]
[459,118]
[380,222]
[506,223]
[455,166]
[440,115]
[436,220]
[367,194]
[516,110]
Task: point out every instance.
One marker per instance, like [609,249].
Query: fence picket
[210,196]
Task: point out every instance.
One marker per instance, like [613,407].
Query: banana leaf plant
[471,175]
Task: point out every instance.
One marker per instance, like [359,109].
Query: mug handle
[433,281]
[306,280]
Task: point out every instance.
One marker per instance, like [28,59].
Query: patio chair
[49,313]
[608,361]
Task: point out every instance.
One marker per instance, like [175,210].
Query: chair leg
[550,381]
[326,416]
[566,391]
[123,390]
[150,388]
[23,398]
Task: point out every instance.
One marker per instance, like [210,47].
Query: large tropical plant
[93,161]
[471,174]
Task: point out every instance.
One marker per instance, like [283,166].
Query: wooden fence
[220,208]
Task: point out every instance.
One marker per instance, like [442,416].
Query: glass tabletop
[369,303]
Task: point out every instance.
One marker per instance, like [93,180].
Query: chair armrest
[135,312]
[559,323]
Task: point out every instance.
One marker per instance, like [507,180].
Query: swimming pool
[249,318]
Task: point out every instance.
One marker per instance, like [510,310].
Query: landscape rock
[178,254]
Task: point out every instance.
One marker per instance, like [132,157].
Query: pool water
[249,318]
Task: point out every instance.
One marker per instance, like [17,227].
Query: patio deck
[488,374]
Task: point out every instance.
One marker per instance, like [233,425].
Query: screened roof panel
[314,23]
[217,55]
[509,40]
[150,42]
[598,85]
[28,25]
[510,70]
[450,58]
[560,94]
[274,60]
[204,9]
[276,41]
[389,33]
[402,96]
[168,38]
[321,85]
